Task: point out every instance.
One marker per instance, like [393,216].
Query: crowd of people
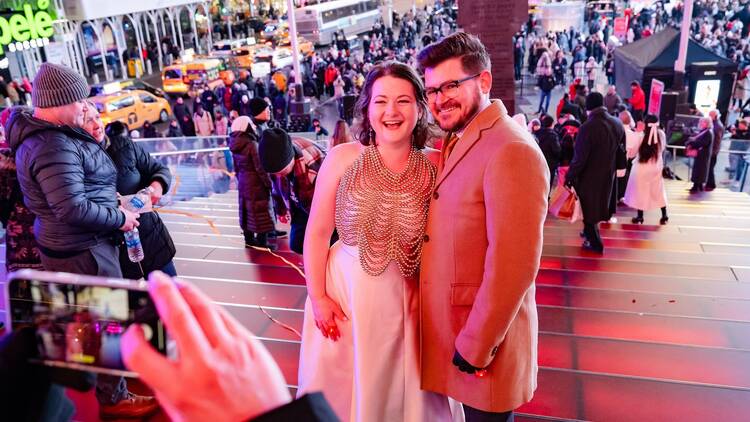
[368,214]
[387,196]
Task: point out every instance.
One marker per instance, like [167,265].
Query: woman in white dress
[360,342]
[645,189]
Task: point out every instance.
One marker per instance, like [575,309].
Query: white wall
[93,9]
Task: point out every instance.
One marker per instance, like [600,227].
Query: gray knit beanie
[56,85]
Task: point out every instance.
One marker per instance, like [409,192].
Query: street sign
[621,27]
[654,97]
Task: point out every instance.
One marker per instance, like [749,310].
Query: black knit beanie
[275,150]
[594,101]
[257,105]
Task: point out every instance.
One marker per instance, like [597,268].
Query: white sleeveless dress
[371,374]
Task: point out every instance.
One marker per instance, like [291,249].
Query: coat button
[494,351]
[435,196]
[426,238]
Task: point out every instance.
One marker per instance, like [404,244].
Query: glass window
[126,102]
[147,98]
[172,74]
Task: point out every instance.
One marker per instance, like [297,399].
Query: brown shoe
[130,408]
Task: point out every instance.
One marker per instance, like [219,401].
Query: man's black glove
[463,365]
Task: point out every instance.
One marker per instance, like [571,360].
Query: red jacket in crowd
[331,74]
[638,99]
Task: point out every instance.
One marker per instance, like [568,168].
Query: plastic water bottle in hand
[133,243]
[139,202]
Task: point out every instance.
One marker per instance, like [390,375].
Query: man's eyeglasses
[448,89]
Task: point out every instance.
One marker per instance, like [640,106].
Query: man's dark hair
[635,83]
[547,121]
[467,47]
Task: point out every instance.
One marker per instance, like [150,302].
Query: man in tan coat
[483,240]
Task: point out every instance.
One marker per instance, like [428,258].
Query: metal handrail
[182,138]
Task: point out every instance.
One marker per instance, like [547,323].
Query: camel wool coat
[480,258]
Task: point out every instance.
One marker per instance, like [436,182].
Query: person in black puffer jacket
[69,182]
[136,169]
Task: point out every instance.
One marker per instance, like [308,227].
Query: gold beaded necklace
[384,213]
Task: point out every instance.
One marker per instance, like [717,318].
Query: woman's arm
[318,236]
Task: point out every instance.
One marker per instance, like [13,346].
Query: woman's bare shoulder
[342,156]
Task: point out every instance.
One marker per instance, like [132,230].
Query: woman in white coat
[645,189]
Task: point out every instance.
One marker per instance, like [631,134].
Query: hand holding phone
[223,371]
[78,321]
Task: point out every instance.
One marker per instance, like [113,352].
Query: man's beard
[464,119]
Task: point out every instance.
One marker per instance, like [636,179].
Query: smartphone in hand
[79,320]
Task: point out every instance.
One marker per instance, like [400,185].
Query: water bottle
[133,243]
[138,201]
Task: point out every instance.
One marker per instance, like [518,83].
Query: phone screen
[79,326]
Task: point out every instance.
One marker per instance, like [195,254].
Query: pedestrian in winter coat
[221,124]
[204,124]
[280,80]
[549,143]
[149,131]
[137,170]
[718,132]
[591,73]
[598,148]
[174,130]
[209,101]
[637,101]
[612,101]
[260,88]
[187,126]
[253,184]
[701,142]
[645,190]
[77,209]
[181,112]
[279,108]
[293,164]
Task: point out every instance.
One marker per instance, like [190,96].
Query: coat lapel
[485,120]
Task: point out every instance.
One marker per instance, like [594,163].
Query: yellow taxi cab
[305,47]
[174,79]
[244,56]
[186,78]
[134,108]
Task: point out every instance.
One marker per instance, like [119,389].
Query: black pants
[476,415]
[297,232]
[591,231]
[711,183]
